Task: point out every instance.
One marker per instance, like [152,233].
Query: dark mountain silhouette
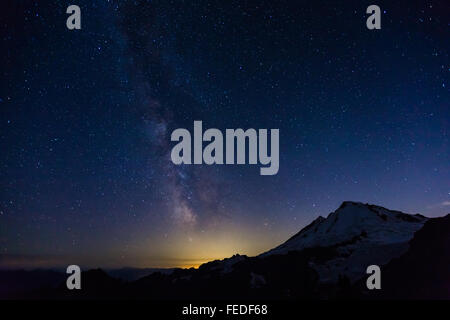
[132,274]
[20,283]
[325,260]
[423,272]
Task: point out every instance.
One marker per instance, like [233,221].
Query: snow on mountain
[361,234]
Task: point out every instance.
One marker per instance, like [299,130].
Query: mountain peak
[359,204]
[350,220]
[359,233]
[346,203]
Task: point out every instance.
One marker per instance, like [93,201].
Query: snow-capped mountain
[361,235]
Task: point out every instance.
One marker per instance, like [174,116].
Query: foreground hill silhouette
[325,260]
[423,272]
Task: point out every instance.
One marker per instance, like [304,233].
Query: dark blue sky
[86,117]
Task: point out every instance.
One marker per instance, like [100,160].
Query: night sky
[86,117]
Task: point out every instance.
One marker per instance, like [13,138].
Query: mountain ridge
[353,237]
